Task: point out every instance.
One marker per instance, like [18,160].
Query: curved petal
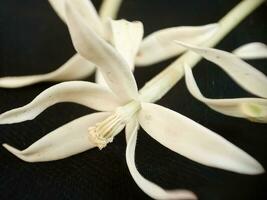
[75,68]
[113,67]
[241,72]
[100,80]
[58,6]
[84,7]
[190,139]
[147,186]
[254,109]
[85,93]
[69,139]
[126,38]
[254,50]
[159,45]
[130,128]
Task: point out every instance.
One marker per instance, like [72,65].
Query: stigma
[104,132]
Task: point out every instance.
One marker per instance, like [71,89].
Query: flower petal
[84,7]
[131,128]
[254,109]
[159,45]
[190,139]
[85,93]
[58,6]
[69,139]
[254,50]
[100,80]
[75,68]
[126,37]
[113,67]
[147,186]
[241,72]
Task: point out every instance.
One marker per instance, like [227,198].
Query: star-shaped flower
[121,106]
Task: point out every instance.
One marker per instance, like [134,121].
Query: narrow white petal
[126,38]
[254,109]
[241,72]
[58,6]
[112,65]
[159,45]
[75,68]
[100,80]
[131,128]
[147,186]
[85,93]
[190,139]
[69,139]
[254,50]
[86,10]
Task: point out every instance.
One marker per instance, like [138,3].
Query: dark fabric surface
[33,40]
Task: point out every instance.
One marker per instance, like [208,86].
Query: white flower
[120,107]
[124,36]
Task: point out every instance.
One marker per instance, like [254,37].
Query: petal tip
[12,150]
[254,168]
[185,194]
[258,169]
[15,152]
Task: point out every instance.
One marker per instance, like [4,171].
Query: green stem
[158,86]
[109,8]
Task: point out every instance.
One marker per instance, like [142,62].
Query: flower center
[103,132]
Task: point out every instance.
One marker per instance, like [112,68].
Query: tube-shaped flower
[120,107]
[124,36]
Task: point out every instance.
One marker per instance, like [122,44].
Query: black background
[34,40]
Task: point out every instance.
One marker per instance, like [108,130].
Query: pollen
[104,132]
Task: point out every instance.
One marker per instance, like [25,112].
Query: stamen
[103,132]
